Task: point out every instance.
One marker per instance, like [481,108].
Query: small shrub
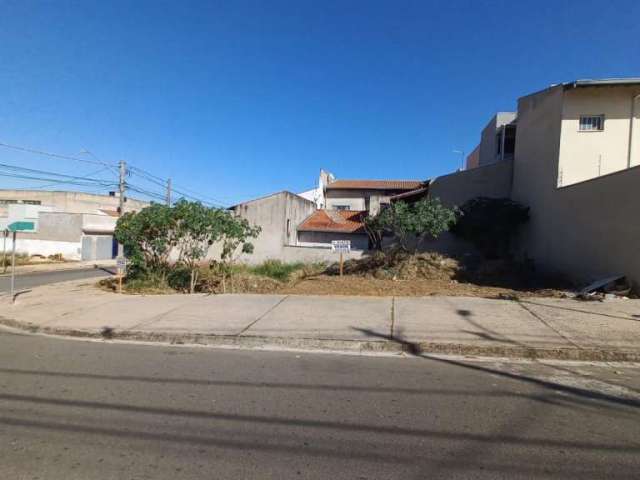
[490,224]
[179,278]
[21,259]
[149,283]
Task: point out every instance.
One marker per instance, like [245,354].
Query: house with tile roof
[344,205]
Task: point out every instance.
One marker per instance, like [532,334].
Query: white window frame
[591,121]
[342,207]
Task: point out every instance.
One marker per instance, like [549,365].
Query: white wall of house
[590,154]
[30,246]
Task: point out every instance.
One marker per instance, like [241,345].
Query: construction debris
[615,286]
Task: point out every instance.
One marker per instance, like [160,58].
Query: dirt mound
[400,266]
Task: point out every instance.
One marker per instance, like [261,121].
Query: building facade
[75,225]
[576,165]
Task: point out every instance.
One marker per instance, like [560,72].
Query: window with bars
[591,123]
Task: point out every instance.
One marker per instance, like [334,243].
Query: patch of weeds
[21,259]
[276,269]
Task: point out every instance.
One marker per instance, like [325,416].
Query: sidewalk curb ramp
[320,344]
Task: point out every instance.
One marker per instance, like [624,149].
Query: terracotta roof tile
[376,184]
[346,221]
[419,192]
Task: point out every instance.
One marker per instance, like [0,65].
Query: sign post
[4,252]
[15,227]
[341,247]
[13,267]
[121,263]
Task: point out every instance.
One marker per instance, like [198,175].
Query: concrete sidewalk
[534,328]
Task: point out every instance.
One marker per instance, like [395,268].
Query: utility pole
[123,171]
[4,252]
[168,192]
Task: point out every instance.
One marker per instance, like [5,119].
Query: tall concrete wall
[593,229]
[536,168]
[486,181]
[586,230]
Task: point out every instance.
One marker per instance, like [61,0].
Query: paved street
[93,410]
[35,279]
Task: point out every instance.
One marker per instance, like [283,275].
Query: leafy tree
[197,228]
[490,224]
[236,235]
[147,237]
[407,221]
[189,228]
[374,225]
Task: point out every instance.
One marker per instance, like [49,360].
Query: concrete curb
[352,346]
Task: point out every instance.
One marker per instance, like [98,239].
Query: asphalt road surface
[26,281]
[95,410]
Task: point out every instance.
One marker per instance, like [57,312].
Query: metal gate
[97,247]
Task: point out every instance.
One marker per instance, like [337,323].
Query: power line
[54,155]
[183,191]
[45,172]
[46,185]
[135,188]
[91,183]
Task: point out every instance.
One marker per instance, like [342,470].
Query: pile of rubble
[399,265]
[613,287]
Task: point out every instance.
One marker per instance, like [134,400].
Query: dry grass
[393,274]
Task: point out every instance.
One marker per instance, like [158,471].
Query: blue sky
[237,99]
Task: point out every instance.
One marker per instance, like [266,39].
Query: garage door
[98,247]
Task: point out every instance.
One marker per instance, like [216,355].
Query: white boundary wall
[69,250]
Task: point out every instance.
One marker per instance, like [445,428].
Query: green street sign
[21,226]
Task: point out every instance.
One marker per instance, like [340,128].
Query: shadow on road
[416,350]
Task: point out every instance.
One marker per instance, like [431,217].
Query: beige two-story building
[576,164]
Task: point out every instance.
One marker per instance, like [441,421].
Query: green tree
[237,234]
[197,228]
[490,224]
[147,237]
[427,218]
[375,225]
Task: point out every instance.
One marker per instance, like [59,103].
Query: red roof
[376,184]
[346,221]
[418,193]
